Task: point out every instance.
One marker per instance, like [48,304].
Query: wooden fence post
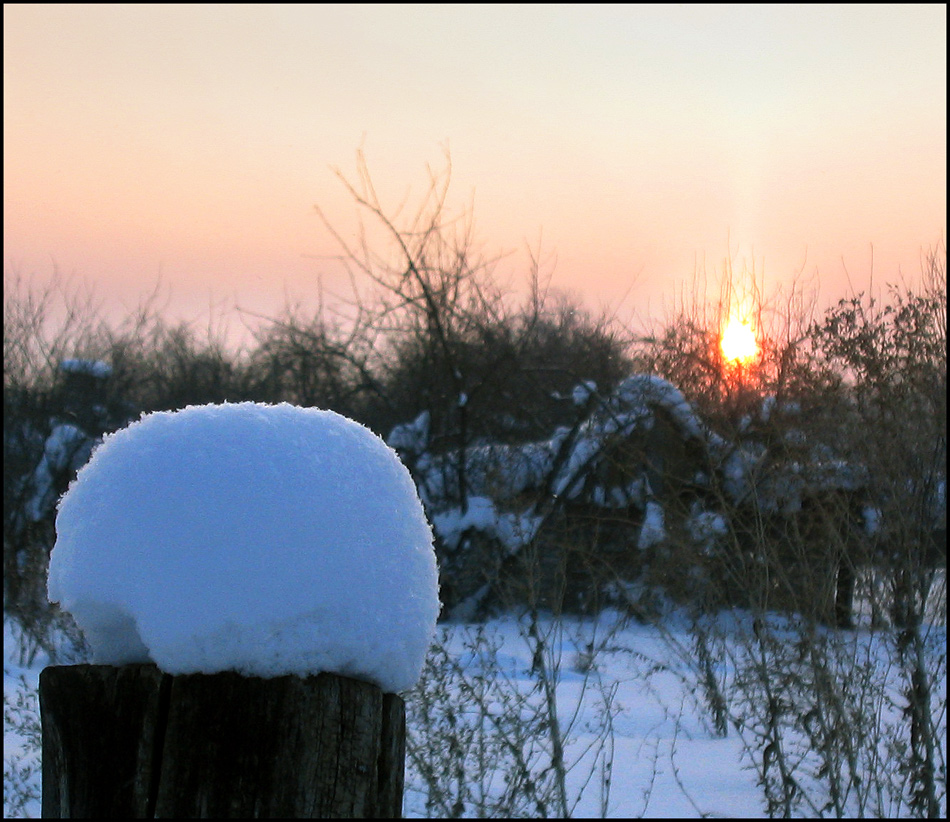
[131,741]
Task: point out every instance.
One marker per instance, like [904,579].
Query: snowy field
[667,763]
[663,754]
[666,759]
[281,540]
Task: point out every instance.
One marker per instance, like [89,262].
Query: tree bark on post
[131,741]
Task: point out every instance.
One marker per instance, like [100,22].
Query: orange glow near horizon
[738,342]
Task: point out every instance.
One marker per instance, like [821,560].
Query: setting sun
[738,342]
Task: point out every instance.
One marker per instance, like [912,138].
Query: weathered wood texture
[133,742]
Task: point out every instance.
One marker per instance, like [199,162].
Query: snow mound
[263,539]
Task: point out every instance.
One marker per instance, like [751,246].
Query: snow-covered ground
[667,763]
[665,757]
[585,717]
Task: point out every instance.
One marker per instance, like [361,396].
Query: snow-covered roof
[568,465]
[504,471]
[637,395]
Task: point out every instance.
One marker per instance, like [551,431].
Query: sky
[631,147]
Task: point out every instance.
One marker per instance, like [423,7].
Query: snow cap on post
[263,539]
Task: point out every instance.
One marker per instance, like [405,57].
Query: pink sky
[193,141]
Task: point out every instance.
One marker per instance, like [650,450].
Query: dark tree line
[433,333]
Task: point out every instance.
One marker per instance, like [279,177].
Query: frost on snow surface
[264,539]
